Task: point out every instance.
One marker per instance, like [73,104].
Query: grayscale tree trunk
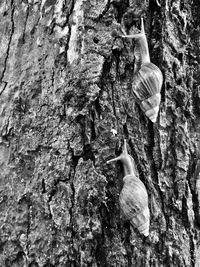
[65,109]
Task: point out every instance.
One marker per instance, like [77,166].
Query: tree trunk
[66,107]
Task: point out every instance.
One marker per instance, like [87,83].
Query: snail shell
[146,87]
[133,198]
[148,78]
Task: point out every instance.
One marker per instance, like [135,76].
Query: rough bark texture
[65,108]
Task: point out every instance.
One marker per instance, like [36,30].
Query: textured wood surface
[65,109]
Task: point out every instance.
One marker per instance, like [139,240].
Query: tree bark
[66,107]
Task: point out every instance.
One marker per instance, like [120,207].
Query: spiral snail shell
[133,198]
[148,78]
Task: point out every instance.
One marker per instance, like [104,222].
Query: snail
[147,79]
[133,198]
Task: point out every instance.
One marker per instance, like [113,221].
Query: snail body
[133,198]
[148,78]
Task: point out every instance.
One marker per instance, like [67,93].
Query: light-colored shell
[133,201]
[147,79]
[133,198]
[143,220]
[146,87]
[150,106]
